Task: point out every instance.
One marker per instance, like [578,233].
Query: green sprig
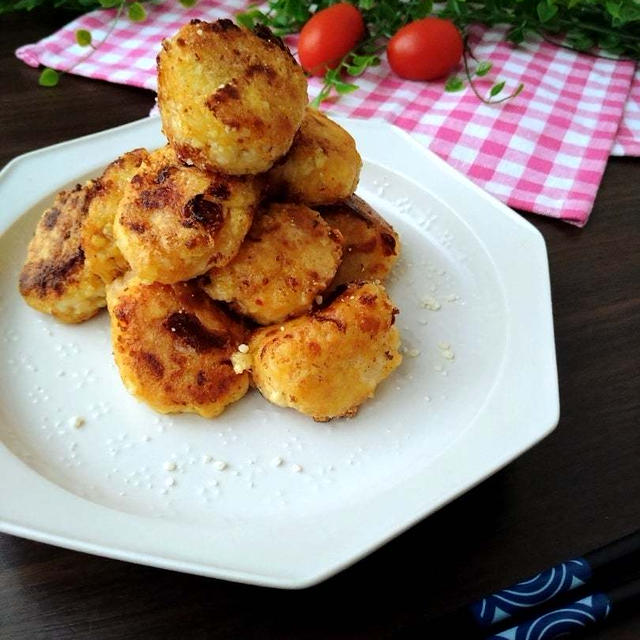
[50,78]
[611,25]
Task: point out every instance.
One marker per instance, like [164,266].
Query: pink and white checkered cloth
[545,151]
[627,141]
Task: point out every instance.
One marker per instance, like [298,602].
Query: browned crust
[173,346]
[326,364]
[356,206]
[175,222]
[288,258]
[371,245]
[230,107]
[54,276]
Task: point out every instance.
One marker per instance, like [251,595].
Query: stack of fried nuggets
[215,270]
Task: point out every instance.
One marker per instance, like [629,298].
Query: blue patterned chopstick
[555,581]
[575,616]
[538,596]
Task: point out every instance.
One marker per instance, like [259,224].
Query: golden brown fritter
[173,346]
[328,363]
[371,246]
[101,252]
[55,278]
[175,222]
[322,166]
[231,100]
[289,256]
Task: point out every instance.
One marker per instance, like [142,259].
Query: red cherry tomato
[425,49]
[328,36]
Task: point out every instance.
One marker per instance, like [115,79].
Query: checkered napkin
[544,152]
[628,138]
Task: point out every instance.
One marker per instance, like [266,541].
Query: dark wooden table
[578,489]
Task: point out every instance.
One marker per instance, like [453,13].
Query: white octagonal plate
[297,501]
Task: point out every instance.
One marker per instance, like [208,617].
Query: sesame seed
[76,422]
[243,348]
[170,466]
[430,303]
[220,465]
[277,461]
[206,458]
[296,468]
[319,299]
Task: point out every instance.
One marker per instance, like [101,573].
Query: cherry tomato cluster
[425,49]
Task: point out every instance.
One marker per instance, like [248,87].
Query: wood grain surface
[576,490]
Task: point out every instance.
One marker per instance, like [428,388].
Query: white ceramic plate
[477,387]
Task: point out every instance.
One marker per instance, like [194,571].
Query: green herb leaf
[250,18]
[516,35]
[453,84]
[454,7]
[137,12]
[579,40]
[420,9]
[344,87]
[245,20]
[483,68]
[496,89]
[188,3]
[614,8]
[48,78]
[357,64]
[109,4]
[546,10]
[83,37]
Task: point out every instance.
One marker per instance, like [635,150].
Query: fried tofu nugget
[173,346]
[55,278]
[230,99]
[290,256]
[101,252]
[175,222]
[328,363]
[371,246]
[322,166]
